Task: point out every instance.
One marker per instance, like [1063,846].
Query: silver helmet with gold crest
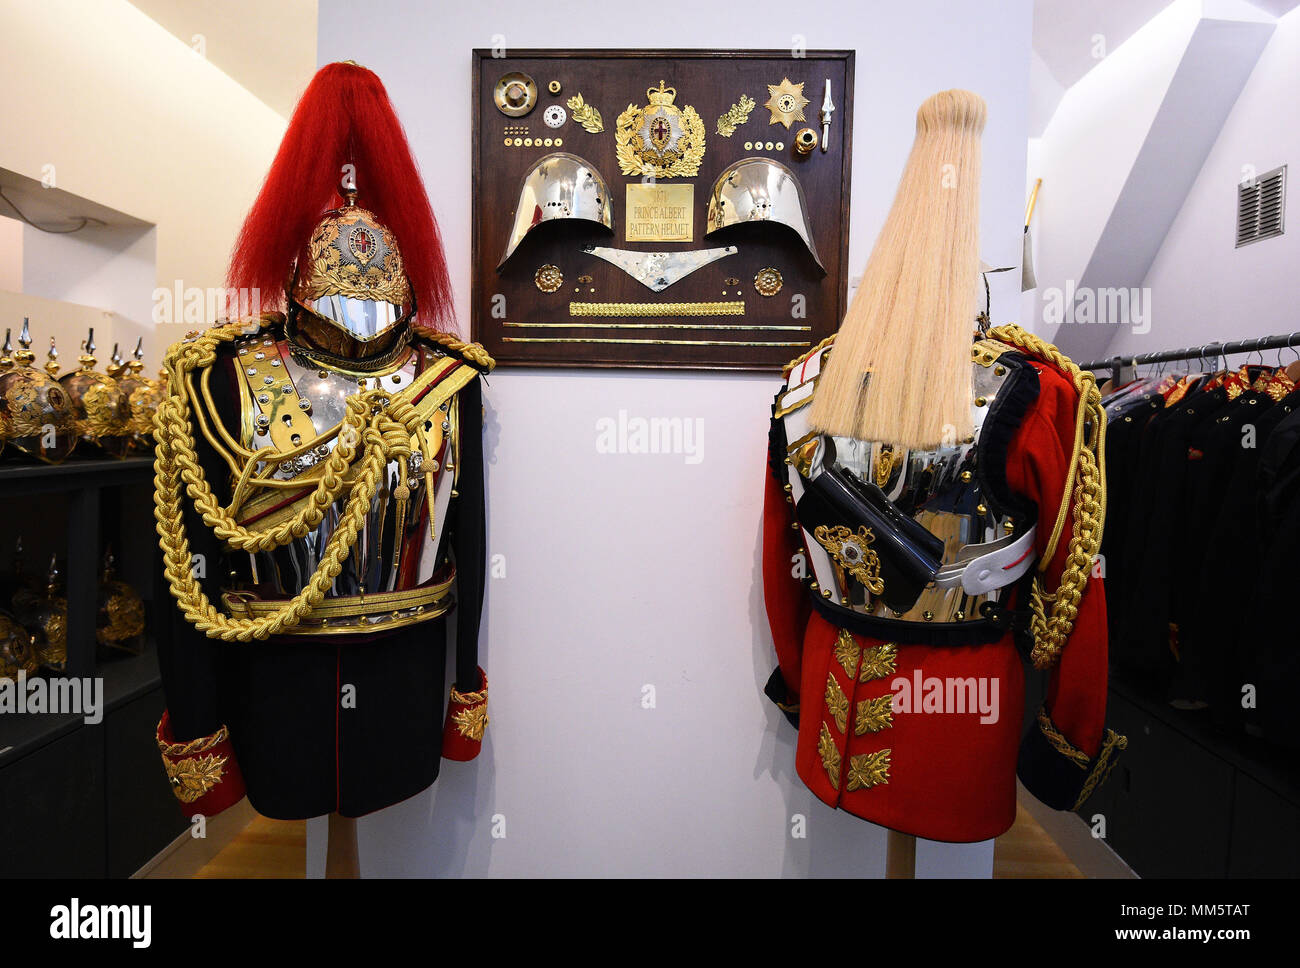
[353,277]
[36,413]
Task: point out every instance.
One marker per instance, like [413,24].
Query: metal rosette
[548,278]
[768,281]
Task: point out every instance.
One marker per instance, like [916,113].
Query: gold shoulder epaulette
[251,324]
[985,352]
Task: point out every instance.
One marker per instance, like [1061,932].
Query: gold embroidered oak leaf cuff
[199,767]
[471,722]
[194,776]
[472,718]
[467,719]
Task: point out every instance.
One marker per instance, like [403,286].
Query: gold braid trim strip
[200,745]
[734,307]
[1085,491]
[1105,763]
[377,428]
[1059,743]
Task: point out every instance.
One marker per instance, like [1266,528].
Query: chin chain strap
[377,428]
[1053,613]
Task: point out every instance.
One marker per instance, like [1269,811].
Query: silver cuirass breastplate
[940,489]
[288,400]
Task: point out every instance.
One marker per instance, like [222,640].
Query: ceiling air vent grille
[1260,207]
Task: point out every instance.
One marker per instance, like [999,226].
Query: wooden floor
[278,848]
[1027,851]
[265,848]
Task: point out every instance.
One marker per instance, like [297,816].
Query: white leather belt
[981,568]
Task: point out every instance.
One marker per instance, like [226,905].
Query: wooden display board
[600,315]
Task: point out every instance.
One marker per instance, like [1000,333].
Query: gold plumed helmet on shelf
[353,277]
[142,394]
[36,413]
[119,620]
[17,653]
[101,412]
[43,612]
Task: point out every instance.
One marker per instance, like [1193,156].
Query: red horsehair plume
[344,117]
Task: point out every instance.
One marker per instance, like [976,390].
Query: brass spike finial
[25,355]
[52,359]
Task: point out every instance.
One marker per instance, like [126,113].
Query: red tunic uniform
[912,717]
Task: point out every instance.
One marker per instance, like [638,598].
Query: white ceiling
[1276,7]
[268,46]
[1065,30]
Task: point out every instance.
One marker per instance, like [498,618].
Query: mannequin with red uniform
[911,574]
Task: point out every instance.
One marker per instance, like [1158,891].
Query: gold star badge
[786,102]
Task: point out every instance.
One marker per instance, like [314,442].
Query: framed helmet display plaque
[676,208]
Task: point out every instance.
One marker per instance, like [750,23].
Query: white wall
[11,254]
[116,110]
[1124,147]
[1202,288]
[1089,147]
[109,266]
[624,571]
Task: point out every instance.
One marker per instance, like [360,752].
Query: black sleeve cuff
[1057,773]
[776,691]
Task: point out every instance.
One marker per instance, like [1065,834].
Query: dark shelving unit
[83,799]
[1190,799]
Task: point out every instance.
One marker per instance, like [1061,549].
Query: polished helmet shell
[559,186]
[761,190]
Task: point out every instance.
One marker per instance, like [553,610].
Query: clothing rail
[1208,351]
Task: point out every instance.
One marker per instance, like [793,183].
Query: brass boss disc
[515,94]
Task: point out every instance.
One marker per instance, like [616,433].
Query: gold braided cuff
[1104,763]
[1059,743]
[200,745]
[1097,769]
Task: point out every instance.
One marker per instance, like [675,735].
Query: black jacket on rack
[1272,660]
[1207,559]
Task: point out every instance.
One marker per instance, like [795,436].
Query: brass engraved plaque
[660,213]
